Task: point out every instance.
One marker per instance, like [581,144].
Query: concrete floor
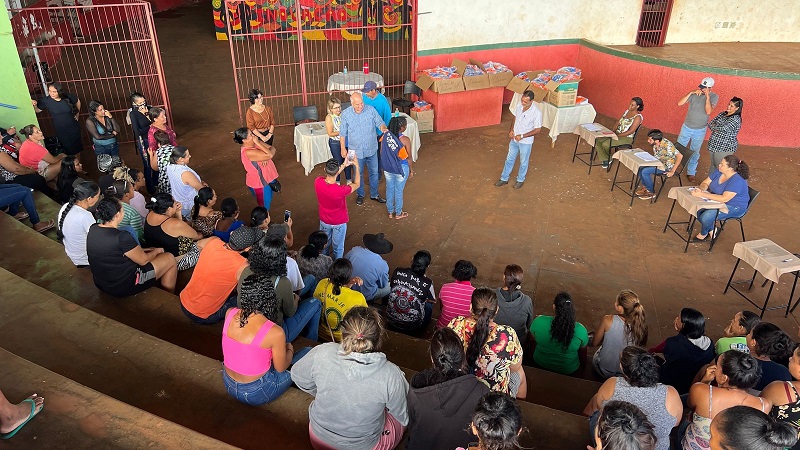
[762,56]
[564,228]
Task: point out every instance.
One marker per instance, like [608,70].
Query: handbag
[53,145]
[275,185]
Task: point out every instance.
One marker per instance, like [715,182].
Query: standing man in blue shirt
[378,101]
[357,133]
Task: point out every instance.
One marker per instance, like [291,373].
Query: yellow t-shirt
[336,306]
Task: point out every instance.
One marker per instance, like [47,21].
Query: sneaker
[359,200]
[641,190]
[647,195]
[605,164]
[501,183]
[518,184]
[378,199]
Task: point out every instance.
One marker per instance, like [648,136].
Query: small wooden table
[591,132]
[771,261]
[682,195]
[635,163]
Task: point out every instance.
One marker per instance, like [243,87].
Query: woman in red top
[34,155]
[257,161]
[159,118]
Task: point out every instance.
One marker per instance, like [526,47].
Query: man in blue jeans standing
[527,124]
[357,133]
[701,102]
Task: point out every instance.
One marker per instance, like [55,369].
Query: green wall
[13,89]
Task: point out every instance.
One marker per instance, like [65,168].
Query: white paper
[647,157]
[592,126]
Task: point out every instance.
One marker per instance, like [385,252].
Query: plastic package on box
[440,79]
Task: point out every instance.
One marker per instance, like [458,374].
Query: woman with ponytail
[71,170]
[560,340]
[75,219]
[121,267]
[337,297]
[164,227]
[516,307]
[785,398]
[734,374]
[768,344]
[493,351]
[204,217]
[443,398]
[727,184]
[122,190]
[359,396]
[617,331]
[743,428]
[229,222]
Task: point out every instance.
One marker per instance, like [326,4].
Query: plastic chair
[753,194]
[304,114]
[403,103]
[685,153]
[614,148]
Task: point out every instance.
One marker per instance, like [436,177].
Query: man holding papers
[666,152]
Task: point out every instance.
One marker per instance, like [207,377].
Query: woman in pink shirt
[257,161]
[34,155]
[456,297]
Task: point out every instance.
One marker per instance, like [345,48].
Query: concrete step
[75,416]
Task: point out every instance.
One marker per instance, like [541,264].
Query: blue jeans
[215,317]
[524,152]
[305,320]
[309,284]
[11,195]
[371,163]
[646,175]
[394,190]
[336,235]
[336,152]
[264,390]
[706,217]
[263,196]
[696,136]
[107,149]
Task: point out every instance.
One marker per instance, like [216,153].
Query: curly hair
[771,341]
[268,256]
[396,124]
[562,329]
[257,296]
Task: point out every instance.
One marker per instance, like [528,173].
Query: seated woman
[626,128]
[311,260]
[617,331]
[456,297]
[71,171]
[356,377]
[229,220]
[256,355]
[670,157]
[639,386]
[12,196]
[493,351]
[165,228]
[768,343]
[743,428]
[728,185]
[442,399]
[560,340]
[136,178]
[497,423]
[75,220]
[11,171]
[119,266]
[687,352]
[204,217]
[33,154]
[337,297]
[183,181]
[622,425]
[122,190]
[735,373]
[784,397]
[297,318]
[735,337]
[516,308]
[410,302]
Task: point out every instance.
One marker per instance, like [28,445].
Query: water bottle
[366,68]
[396,112]
[345,70]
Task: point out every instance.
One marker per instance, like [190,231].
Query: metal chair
[403,103]
[303,114]
[753,194]
[614,148]
[685,153]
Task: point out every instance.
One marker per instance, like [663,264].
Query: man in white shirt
[527,124]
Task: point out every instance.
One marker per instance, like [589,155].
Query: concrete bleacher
[143,352]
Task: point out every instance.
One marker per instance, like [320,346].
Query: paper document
[645,156]
[592,127]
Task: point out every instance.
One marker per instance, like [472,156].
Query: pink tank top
[259,174]
[247,359]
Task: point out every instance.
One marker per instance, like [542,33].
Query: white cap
[707,82]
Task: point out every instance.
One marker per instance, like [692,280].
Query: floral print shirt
[666,152]
[502,350]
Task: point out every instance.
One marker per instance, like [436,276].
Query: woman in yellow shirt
[337,298]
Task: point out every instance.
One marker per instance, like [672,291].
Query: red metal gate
[653,23]
[289,52]
[96,51]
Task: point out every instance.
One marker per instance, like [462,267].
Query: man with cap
[357,133]
[331,199]
[378,101]
[701,102]
[371,267]
[212,289]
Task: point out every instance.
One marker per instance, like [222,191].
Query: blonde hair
[633,311]
[362,330]
[333,102]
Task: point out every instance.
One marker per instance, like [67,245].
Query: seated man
[666,152]
[370,267]
[212,289]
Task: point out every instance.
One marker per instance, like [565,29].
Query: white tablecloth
[353,81]
[559,120]
[311,148]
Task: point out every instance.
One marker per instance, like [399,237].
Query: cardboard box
[500,79]
[562,98]
[424,120]
[571,85]
[472,82]
[519,86]
[440,85]
[539,94]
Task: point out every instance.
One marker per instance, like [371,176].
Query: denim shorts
[263,390]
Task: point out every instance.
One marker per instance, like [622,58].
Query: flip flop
[402,215]
[50,225]
[33,414]
[22,216]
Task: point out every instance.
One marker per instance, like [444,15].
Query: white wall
[457,23]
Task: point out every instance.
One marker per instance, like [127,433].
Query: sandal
[47,225]
[402,215]
[700,237]
[22,216]
[391,215]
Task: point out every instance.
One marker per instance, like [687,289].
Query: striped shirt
[358,129]
[133,219]
[456,301]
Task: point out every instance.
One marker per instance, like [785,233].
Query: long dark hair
[82,191]
[738,165]
[339,274]
[484,308]
[160,203]
[204,195]
[562,329]
[420,262]
[68,174]
[316,242]
[258,216]
[771,341]
[447,354]
[745,428]
[257,295]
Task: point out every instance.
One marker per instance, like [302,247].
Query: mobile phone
[351,155]
[286,215]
